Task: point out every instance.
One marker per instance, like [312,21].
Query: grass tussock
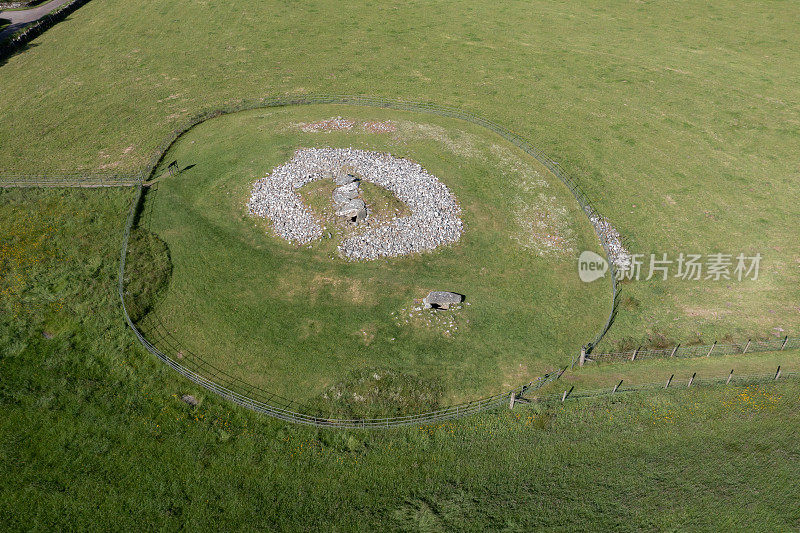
[379,392]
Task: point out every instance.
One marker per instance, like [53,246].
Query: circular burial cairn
[435,213]
[230,386]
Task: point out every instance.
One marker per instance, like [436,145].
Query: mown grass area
[94,434]
[682,124]
[297,320]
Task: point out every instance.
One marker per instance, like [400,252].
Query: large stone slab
[345,193]
[355,210]
[343,177]
[442,299]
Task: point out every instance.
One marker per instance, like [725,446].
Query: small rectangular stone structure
[442,299]
[355,210]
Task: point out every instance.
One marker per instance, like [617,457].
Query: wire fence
[261,401]
[70,180]
[670,382]
[216,380]
[19,39]
[699,350]
[230,387]
[235,390]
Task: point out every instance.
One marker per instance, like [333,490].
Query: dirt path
[21,18]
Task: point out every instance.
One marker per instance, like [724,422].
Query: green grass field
[680,121]
[267,312]
[94,435]
[683,126]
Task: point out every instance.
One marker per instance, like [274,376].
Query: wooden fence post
[618,385]
[636,351]
[669,381]
[511,401]
[785,340]
[583,355]
[566,394]
[746,346]
[691,380]
[778,373]
[729,377]
[674,350]
[712,349]
[172,168]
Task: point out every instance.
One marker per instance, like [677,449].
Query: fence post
[691,380]
[729,377]
[566,394]
[633,357]
[583,355]
[778,373]
[511,401]
[712,349]
[674,350]
[618,385]
[746,346]
[785,340]
[669,381]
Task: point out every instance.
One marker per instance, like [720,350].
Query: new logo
[591,266]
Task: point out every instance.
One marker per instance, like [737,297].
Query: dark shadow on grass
[4,57]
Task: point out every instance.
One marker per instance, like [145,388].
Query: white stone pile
[617,252]
[435,213]
[332,124]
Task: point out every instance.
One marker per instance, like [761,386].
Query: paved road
[21,18]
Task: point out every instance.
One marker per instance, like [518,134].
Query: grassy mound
[295,320]
[148,270]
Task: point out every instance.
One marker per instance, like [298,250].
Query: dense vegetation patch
[147,272]
[379,392]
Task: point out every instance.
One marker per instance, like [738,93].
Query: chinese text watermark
[695,267]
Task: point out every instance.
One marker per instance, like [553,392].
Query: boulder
[442,299]
[355,210]
[344,177]
[345,193]
[191,400]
